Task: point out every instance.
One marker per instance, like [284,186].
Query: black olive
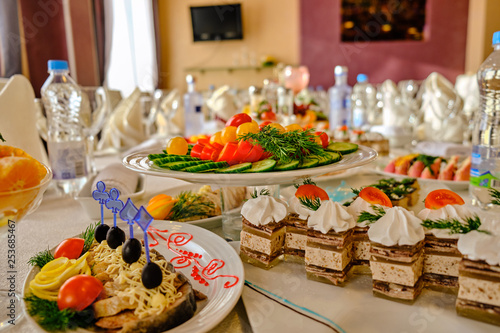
[151,275]
[101,232]
[115,237]
[131,250]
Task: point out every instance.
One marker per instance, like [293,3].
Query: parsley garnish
[311,203]
[305,181]
[41,258]
[190,204]
[455,226]
[369,217]
[88,236]
[496,195]
[1,138]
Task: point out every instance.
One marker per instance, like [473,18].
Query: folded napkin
[170,118]
[467,87]
[19,117]
[124,128]
[119,177]
[222,103]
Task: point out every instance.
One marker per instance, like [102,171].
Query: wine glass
[296,78]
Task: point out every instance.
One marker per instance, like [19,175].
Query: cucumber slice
[342,147]
[237,168]
[262,166]
[182,164]
[335,156]
[174,158]
[323,159]
[309,163]
[206,167]
[294,164]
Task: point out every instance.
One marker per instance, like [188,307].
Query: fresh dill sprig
[288,146]
[190,204]
[311,203]
[1,138]
[41,258]
[52,319]
[263,191]
[496,195]
[370,218]
[88,236]
[455,226]
[356,190]
[305,181]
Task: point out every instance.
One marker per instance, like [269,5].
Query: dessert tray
[455,185]
[212,266]
[140,162]
[283,299]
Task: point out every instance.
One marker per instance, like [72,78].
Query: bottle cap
[57,64]
[496,38]
[340,70]
[362,78]
[190,79]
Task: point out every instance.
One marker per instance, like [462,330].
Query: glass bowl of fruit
[23,180]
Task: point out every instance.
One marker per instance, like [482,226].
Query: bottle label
[485,171]
[197,108]
[68,159]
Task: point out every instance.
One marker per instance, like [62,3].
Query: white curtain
[130,46]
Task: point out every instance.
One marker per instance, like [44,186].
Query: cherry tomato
[268,115]
[196,150]
[242,151]
[324,138]
[264,124]
[228,151]
[70,248]
[78,292]
[177,146]
[238,119]
[293,127]
[375,196]
[255,154]
[228,134]
[247,128]
[216,138]
[278,126]
[440,198]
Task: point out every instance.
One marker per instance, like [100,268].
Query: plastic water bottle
[340,99]
[66,140]
[364,100]
[193,115]
[485,168]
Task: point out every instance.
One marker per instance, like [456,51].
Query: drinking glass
[296,78]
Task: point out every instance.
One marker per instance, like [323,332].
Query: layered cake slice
[370,202]
[328,252]
[396,262]
[443,225]
[479,277]
[263,231]
[296,223]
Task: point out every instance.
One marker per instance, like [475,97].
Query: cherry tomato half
[78,292]
[70,248]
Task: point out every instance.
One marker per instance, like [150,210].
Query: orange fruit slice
[18,172]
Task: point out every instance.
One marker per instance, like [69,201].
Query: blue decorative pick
[143,219]
[102,196]
[114,204]
[127,214]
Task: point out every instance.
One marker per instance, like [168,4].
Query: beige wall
[483,22]
[269,28]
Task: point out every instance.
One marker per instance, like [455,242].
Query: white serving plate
[93,208]
[219,264]
[139,162]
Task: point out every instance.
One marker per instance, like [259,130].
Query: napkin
[18,117]
[124,128]
[394,113]
[442,111]
[222,103]
[467,87]
[170,119]
[119,177]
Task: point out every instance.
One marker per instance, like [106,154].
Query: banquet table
[58,218]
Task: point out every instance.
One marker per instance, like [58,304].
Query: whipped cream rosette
[448,212]
[360,205]
[296,207]
[331,216]
[264,209]
[477,245]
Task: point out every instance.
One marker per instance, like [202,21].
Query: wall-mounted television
[221,22]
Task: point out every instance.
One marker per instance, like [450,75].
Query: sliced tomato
[239,119]
[196,150]
[264,124]
[324,138]
[217,146]
[78,292]
[228,151]
[440,198]
[375,196]
[311,191]
[207,152]
[242,151]
[204,141]
[70,248]
[255,154]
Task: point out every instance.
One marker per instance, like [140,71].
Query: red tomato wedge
[311,191]
[196,150]
[440,198]
[238,119]
[207,152]
[217,146]
[228,151]
[255,154]
[70,248]
[242,151]
[375,196]
[78,292]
